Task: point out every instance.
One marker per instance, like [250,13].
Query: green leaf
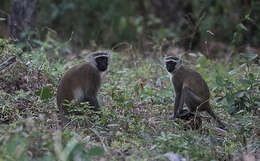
[244,81]
[193,54]
[257,83]
[44,93]
[70,147]
[235,39]
[46,157]
[242,27]
[249,56]
[239,94]
[129,104]
[251,76]
[96,151]
[250,92]
[232,72]
[17,146]
[112,125]
[247,16]
[230,99]
[219,80]
[2,19]
[122,23]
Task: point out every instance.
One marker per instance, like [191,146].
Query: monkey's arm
[179,98]
[179,103]
[176,105]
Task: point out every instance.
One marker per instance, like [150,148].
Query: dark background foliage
[109,22]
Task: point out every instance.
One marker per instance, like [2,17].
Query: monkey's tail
[211,113]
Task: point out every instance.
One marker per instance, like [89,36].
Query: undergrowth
[137,101]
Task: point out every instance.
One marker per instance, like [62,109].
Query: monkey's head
[102,63]
[100,60]
[172,64]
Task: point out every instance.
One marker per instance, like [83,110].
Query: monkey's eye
[101,59]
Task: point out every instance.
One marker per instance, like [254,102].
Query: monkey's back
[83,77]
[198,84]
[194,81]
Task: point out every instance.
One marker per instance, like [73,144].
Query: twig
[8,62]
[69,123]
[197,109]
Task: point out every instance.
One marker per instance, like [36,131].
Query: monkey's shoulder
[84,68]
[196,82]
[83,74]
[194,75]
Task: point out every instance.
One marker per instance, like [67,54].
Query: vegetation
[219,39]
[137,101]
[108,22]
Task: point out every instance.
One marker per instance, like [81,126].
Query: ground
[137,100]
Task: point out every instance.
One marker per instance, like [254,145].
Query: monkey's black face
[102,63]
[170,66]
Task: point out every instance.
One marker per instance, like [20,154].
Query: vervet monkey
[82,82]
[190,88]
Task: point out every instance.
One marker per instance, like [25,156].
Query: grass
[137,101]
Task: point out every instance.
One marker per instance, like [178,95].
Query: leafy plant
[44,93]
[241,94]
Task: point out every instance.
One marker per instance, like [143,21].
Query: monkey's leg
[193,102]
[92,102]
[178,106]
[191,99]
